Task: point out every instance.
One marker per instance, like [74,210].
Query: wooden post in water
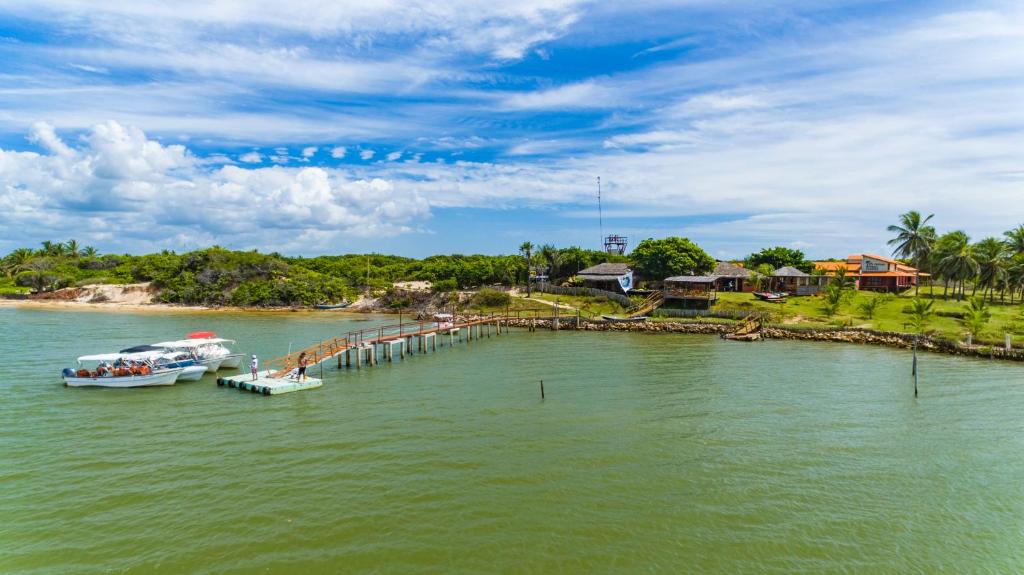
[914,369]
[542,389]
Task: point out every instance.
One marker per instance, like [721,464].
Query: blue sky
[436,127]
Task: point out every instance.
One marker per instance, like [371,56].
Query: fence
[578,291]
[693,313]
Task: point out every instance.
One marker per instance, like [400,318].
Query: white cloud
[338,152]
[394,156]
[366,154]
[309,152]
[119,170]
[251,158]
[580,95]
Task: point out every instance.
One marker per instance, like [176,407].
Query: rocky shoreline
[838,335]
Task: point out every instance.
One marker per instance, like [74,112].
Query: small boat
[341,305]
[771,296]
[114,370]
[631,319]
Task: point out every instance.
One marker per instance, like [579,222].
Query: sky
[423,126]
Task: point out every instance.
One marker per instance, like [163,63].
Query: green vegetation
[977,316]
[921,312]
[659,259]
[778,257]
[491,298]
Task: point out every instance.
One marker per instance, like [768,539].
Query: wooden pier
[364,348]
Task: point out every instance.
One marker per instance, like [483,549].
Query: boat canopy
[190,343]
[141,348]
[102,357]
[136,356]
[201,335]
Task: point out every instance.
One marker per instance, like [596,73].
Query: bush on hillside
[491,298]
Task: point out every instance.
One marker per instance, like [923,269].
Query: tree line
[993,265]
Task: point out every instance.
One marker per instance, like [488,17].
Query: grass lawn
[591,306]
[890,315]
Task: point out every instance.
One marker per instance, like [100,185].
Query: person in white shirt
[254,366]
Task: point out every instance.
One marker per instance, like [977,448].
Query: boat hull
[192,373]
[233,361]
[163,377]
[212,363]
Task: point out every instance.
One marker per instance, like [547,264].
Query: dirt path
[551,303]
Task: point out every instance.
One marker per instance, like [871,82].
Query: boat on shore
[341,305]
[774,297]
[632,319]
[115,370]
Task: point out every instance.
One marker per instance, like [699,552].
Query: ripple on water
[656,453]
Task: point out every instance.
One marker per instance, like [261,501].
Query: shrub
[491,298]
[444,286]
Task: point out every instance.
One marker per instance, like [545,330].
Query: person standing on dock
[254,366]
[302,366]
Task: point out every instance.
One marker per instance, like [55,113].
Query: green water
[651,453]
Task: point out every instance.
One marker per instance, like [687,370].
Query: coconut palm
[914,240]
[977,316]
[51,248]
[17,261]
[921,313]
[990,254]
[957,263]
[526,248]
[550,255]
[1015,240]
[1015,276]
[72,249]
[89,252]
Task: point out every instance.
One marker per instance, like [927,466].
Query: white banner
[626,282]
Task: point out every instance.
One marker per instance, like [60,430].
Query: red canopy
[201,334]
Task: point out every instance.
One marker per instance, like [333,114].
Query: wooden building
[611,277]
[732,277]
[791,280]
[690,292]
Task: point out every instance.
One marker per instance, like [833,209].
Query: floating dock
[267,385]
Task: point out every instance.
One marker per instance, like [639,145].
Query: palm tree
[18,261]
[526,248]
[1015,240]
[977,316]
[990,254]
[550,255]
[90,252]
[71,248]
[51,249]
[1015,276]
[921,313]
[957,263]
[914,240]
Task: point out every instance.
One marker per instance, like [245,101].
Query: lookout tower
[615,244]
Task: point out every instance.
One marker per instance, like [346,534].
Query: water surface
[658,453]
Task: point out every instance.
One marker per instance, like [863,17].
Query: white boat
[197,350]
[105,374]
[206,349]
[161,358]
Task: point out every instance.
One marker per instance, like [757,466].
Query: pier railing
[327,349]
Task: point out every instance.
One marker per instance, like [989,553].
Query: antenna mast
[600,216]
